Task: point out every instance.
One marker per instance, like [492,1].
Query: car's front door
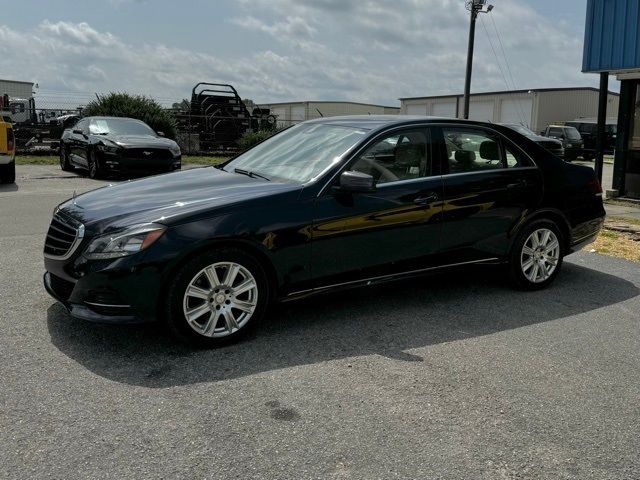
[489,185]
[392,229]
[79,143]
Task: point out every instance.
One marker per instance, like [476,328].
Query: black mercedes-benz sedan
[117,146]
[327,204]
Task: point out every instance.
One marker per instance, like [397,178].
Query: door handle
[518,184]
[426,200]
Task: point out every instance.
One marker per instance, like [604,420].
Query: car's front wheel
[217,297]
[8,173]
[536,255]
[65,164]
[93,165]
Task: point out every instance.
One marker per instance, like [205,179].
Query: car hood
[168,198]
[140,141]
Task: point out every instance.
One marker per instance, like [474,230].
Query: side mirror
[160,134]
[355,182]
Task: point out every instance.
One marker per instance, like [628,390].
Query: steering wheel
[386,175]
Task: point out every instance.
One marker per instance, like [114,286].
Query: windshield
[119,126]
[572,133]
[522,130]
[300,153]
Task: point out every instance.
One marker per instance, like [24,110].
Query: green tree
[134,106]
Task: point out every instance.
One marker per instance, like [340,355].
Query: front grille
[60,286]
[63,236]
[148,153]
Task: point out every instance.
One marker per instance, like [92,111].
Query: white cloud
[360,50]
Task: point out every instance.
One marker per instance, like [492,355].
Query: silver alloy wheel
[540,255]
[220,299]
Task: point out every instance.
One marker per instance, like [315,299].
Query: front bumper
[120,314]
[121,164]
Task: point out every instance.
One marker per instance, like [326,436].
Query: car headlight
[175,149]
[124,242]
[108,148]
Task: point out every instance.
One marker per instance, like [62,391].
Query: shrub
[134,106]
[249,139]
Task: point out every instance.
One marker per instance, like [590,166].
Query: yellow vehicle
[7,153]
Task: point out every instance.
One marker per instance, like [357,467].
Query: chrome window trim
[421,124]
[76,242]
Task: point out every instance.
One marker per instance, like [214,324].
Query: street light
[475,7]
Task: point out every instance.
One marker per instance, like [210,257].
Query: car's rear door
[489,185]
[393,229]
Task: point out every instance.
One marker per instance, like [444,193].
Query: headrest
[465,157]
[489,150]
[410,154]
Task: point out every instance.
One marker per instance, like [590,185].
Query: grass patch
[616,244]
[53,160]
[628,220]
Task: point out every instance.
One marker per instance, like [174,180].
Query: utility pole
[475,7]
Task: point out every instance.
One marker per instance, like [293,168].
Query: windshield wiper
[249,173]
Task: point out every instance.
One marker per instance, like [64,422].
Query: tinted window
[402,156]
[556,132]
[572,133]
[119,126]
[515,158]
[471,150]
[82,125]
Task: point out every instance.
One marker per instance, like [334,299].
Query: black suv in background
[588,130]
[570,138]
[551,144]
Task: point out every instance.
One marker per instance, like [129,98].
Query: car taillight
[594,187]
[10,140]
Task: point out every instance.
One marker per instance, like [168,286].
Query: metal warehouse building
[534,108]
[16,89]
[289,113]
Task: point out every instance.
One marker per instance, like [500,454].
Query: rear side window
[471,150]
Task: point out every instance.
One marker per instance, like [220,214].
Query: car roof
[372,122]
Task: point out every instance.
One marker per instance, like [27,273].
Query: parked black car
[319,206]
[588,131]
[117,145]
[570,138]
[551,144]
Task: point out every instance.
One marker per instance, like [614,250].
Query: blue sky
[279,50]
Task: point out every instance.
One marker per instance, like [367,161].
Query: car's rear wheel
[65,164]
[8,173]
[217,298]
[537,254]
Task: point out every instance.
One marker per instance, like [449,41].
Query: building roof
[505,92]
[16,81]
[328,101]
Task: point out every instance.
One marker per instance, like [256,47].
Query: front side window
[401,156]
[471,150]
[555,132]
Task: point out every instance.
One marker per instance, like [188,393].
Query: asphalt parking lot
[453,376]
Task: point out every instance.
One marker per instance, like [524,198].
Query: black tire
[517,257]
[174,315]
[8,173]
[65,165]
[93,165]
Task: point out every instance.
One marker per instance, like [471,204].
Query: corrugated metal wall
[16,89]
[295,112]
[611,36]
[568,105]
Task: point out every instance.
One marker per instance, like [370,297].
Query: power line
[506,61]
